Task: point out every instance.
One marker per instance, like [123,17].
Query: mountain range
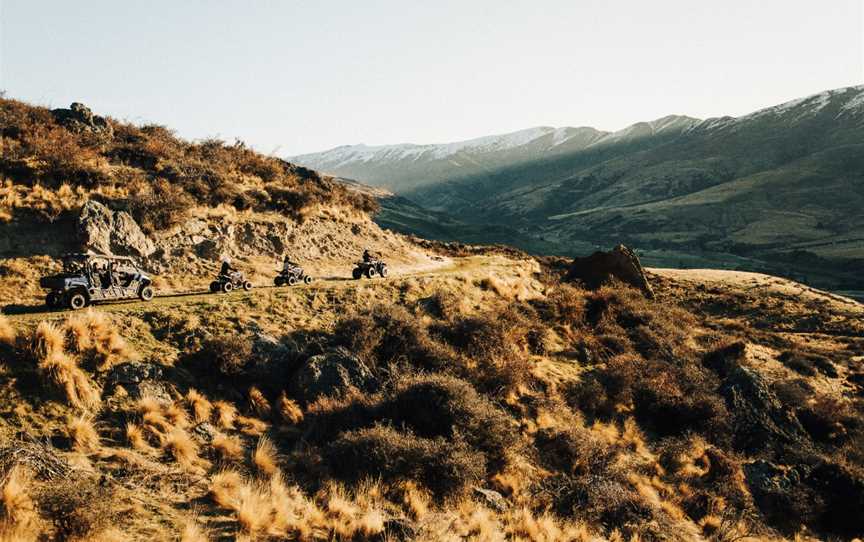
[778,190]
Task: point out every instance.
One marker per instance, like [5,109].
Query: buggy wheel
[77,301]
[370,273]
[52,300]
[214,286]
[278,281]
[247,285]
[383,271]
[292,280]
[357,273]
[146,293]
[307,279]
[227,286]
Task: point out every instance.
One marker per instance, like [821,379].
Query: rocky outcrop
[621,263]
[761,419]
[331,374]
[138,379]
[78,118]
[108,232]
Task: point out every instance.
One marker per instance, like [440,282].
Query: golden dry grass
[135,437]
[61,369]
[92,333]
[202,409]
[7,332]
[83,434]
[259,404]
[184,450]
[228,447]
[265,459]
[289,410]
[226,414]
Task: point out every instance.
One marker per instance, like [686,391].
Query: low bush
[225,354]
[445,467]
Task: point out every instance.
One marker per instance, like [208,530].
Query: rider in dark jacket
[367,256]
[226,268]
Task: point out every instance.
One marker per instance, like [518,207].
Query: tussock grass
[83,434]
[225,414]
[202,409]
[61,369]
[265,458]
[288,409]
[258,403]
[228,448]
[93,336]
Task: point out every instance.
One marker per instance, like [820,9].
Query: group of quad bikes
[94,278]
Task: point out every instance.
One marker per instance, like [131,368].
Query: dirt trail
[438,268]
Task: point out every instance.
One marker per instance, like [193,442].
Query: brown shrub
[227,354]
[390,335]
[444,467]
[78,508]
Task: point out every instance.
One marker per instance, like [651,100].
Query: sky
[292,76]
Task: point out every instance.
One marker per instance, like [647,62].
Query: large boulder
[79,118]
[331,374]
[108,232]
[762,423]
[621,263]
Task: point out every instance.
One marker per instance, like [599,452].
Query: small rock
[492,499]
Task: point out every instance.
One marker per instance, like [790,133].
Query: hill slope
[473,394]
[780,189]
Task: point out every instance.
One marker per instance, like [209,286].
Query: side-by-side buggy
[93,278]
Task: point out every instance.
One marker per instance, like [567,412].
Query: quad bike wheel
[247,285]
[307,279]
[227,287]
[292,280]
[370,273]
[52,300]
[77,301]
[357,273]
[146,293]
[214,286]
[278,281]
[383,271]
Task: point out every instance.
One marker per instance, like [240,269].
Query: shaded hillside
[779,190]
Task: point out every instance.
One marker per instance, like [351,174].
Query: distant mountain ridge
[408,166]
[779,190]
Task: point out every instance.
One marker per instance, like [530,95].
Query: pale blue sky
[298,76]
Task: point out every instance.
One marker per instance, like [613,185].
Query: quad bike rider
[229,279]
[369,267]
[291,274]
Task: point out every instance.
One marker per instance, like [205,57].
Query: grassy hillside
[471,395]
[52,161]
[483,400]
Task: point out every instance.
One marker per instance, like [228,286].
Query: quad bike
[369,269]
[291,277]
[232,281]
